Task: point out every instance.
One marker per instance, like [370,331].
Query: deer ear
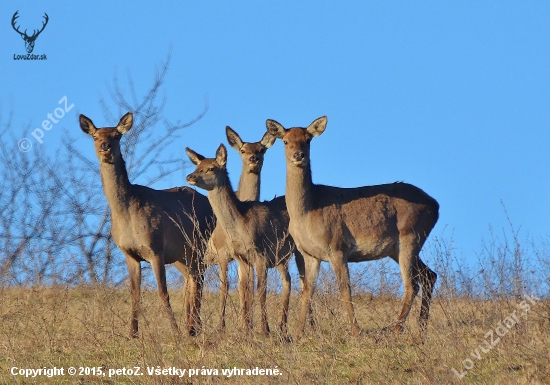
[233,138]
[268,139]
[318,126]
[87,125]
[275,128]
[125,123]
[195,158]
[221,155]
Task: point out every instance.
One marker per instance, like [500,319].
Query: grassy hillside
[88,327]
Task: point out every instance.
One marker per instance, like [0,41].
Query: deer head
[107,140]
[209,173]
[29,40]
[297,140]
[252,154]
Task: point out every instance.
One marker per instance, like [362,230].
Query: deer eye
[210,169]
[285,142]
[242,151]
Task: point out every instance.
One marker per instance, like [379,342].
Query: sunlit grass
[89,327]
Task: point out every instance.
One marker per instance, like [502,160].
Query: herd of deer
[315,222]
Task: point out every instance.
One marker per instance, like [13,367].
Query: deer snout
[191,179]
[298,156]
[105,146]
[253,159]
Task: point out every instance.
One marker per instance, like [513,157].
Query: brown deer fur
[341,225]
[252,156]
[256,233]
[156,226]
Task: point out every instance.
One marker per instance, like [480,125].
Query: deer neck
[299,187]
[224,205]
[116,185]
[249,186]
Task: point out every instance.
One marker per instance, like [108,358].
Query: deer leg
[427,280]
[184,270]
[300,264]
[223,265]
[187,292]
[134,270]
[186,304]
[195,295]
[311,274]
[160,274]
[286,283]
[408,251]
[246,279]
[341,271]
[261,272]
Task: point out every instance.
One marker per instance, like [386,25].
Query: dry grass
[47,327]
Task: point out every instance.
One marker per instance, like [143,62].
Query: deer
[155,226]
[344,225]
[29,40]
[256,234]
[252,156]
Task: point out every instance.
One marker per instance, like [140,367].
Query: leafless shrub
[33,231]
[54,213]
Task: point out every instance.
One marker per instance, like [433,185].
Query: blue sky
[453,97]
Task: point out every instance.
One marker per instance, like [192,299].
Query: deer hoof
[193,331]
[398,329]
[285,339]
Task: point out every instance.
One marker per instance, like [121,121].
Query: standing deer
[256,233]
[252,156]
[156,226]
[341,225]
